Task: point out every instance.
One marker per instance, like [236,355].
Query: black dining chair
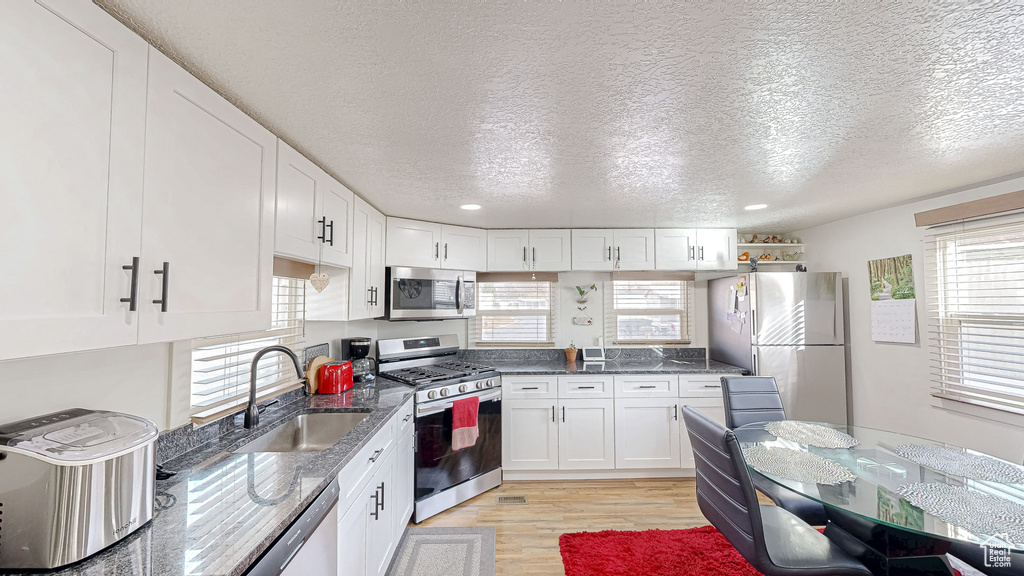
[773,540]
[751,399]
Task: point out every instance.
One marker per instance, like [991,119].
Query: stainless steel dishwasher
[301,549]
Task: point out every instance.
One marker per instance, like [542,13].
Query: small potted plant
[570,352]
[584,292]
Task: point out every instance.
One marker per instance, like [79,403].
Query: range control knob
[431,394]
[444,391]
[490,383]
[463,388]
[480,385]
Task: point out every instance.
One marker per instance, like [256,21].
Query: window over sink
[220,364]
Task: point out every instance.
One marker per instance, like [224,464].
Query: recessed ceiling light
[755,207]
[470,206]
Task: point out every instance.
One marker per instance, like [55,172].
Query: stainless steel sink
[306,433]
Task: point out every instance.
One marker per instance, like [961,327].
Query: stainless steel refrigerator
[788,325]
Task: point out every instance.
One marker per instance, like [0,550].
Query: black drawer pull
[646,387]
[530,388]
[376,455]
[133,297]
[166,272]
[586,387]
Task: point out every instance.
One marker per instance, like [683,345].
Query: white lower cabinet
[586,439]
[647,432]
[529,434]
[373,515]
[712,408]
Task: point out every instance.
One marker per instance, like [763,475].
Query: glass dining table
[898,502]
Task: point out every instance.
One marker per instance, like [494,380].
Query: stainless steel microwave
[429,294]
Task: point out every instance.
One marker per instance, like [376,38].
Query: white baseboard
[595,474]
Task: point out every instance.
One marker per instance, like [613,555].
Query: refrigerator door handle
[757,369]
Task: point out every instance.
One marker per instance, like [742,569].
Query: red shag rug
[693,552]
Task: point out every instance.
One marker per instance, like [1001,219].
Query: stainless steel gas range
[446,477]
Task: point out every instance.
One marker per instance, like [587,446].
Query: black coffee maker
[357,350]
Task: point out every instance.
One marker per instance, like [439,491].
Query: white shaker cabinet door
[72,114]
[592,249]
[208,212]
[375,272]
[298,229]
[413,243]
[634,249]
[508,250]
[336,218]
[675,249]
[352,533]
[381,539]
[586,438]
[716,249]
[550,250]
[463,248]
[529,435]
[647,432]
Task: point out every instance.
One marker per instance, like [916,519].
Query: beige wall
[890,383]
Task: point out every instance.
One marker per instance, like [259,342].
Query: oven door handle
[442,405]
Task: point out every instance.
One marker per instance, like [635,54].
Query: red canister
[334,378]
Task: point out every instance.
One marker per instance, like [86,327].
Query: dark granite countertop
[629,366]
[222,510]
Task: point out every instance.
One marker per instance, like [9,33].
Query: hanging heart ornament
[319,281]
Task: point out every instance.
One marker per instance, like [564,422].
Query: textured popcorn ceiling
[620,113]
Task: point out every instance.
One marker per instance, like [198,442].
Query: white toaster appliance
[71,484]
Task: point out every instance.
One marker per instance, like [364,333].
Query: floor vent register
[503,500]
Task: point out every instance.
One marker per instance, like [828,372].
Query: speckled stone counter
[223,510]
[665,366]
[512,362]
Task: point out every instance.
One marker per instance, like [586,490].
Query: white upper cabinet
[633,249]
[413,243]
[592,249]
[716,249]
[338,206]
[550,250]
[539,250]
[675,249]
[366,277]
[463,248]
[73,116]
[508,250]
[696,249]
[314,212]
[430,245]
[208,212]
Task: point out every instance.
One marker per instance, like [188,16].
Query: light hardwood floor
[527,539]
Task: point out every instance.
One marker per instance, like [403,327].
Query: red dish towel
[464,429]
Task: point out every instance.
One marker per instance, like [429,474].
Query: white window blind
[515,313]
[976,313]
[648,311]
[220,365]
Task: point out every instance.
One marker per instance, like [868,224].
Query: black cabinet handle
[702,253]
[618,254]
[331,226]
[553,417]
[530,388]
[376,455]
[446,251]
[376,506]
[370,301]
[133,296]
[524,254]
[166,272]
[609,253]
[534,256]
[437,250]
[585,387]
[563,413]
[382,489]
[323,230]
[675,411]
[692,257]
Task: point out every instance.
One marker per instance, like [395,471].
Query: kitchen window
[976,313]
[648,312]
[220,365]
[515,313]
